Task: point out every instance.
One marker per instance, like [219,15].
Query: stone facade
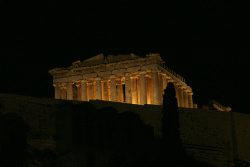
[123,78]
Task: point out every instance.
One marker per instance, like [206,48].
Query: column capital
[136,75]
[70,83]
[56,84]
[83,81]
[98,78]
[189,89]
[127,74]
[77,83]
[171,80]
[142,73]
[133,76]
[70,80]
[178,84]
[118,80]
[105,78]
[183,87]
[186,90]
[63,85]
[112,77]
[166,76]
[163,74]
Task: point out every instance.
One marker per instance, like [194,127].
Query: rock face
[216,138]
[123,78]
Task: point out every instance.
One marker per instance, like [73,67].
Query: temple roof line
[106,61]
[102,59]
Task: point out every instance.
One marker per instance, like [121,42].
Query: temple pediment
[118,58]
[98,59]
[101,59]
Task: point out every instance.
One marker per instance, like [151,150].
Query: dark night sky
[205,41]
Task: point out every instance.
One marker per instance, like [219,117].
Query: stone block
[134,69]
[118,72]
[147,67]
[60,80]
[91,75]
[75,78]
[110,67]
[104,73]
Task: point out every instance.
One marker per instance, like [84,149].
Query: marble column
[94,89]
[165,82]
[113,89]
[149,89]
[57,91]
[128,96]
[119,91]
[69,91]
[84,91]
[143,90]
[177,93]
[181,97]
[63,91]
[90,90]
[190,100]
[79,87]
[138,89]
[185,99]
[178,97]
[109,93]
[161,88]
[98,89]
[75,91]
[105,91]
[156,91]
[134,91]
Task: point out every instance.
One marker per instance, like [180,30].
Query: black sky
[205,41]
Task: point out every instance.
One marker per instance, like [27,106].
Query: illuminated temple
[123,78]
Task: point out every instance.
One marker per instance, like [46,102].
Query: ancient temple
[122,78]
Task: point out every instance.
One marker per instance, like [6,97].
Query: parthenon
[123,78]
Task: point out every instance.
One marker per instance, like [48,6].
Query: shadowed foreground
[83,135]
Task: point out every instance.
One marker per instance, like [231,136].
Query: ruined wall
[37,113]
[210,136]
[241,124]
[206,136]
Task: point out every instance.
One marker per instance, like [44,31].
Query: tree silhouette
[172,151]
[171,141]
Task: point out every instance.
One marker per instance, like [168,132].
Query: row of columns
[110,90]
[141,89]
[184,97]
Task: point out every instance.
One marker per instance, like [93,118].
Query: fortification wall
[210,136]
[37,113]
[206,136]
[241,130]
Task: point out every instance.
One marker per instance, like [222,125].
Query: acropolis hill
[112,105]
[124,78]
